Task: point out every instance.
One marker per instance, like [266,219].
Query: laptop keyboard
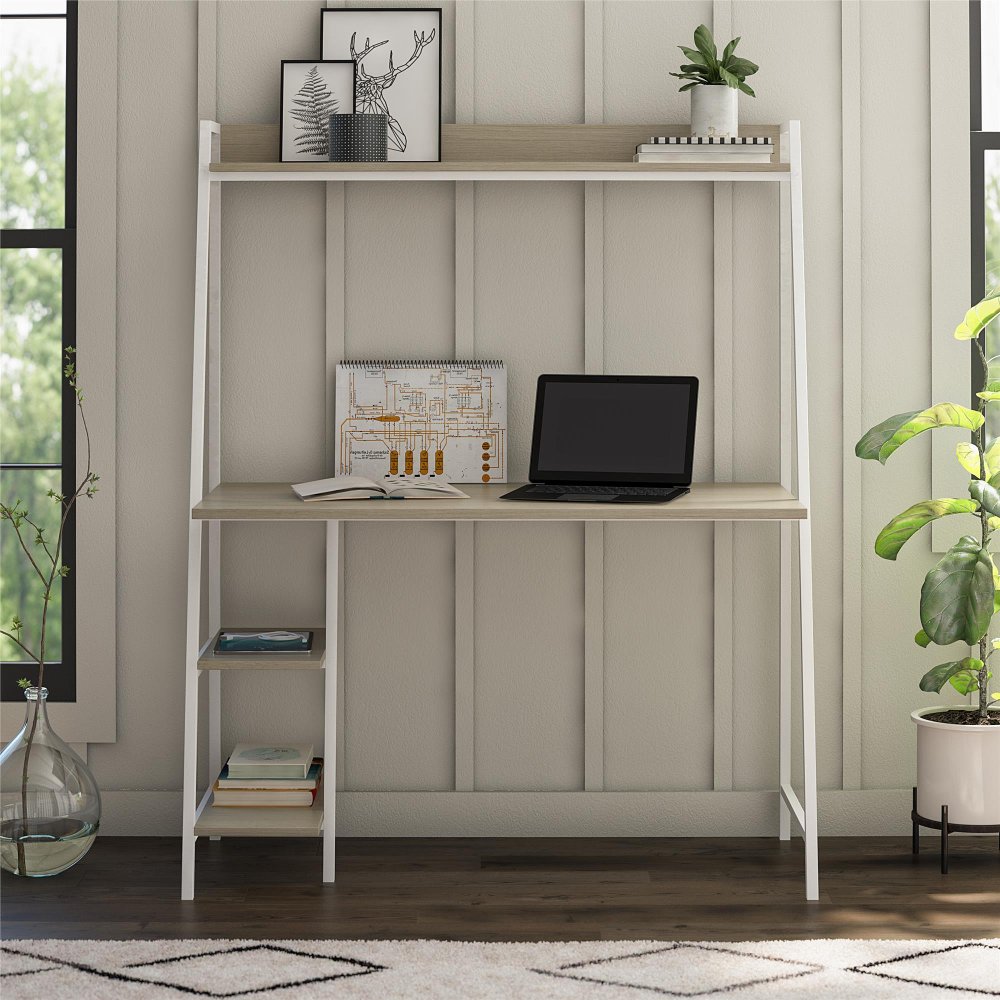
[628,491]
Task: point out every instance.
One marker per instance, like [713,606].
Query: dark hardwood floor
[501,890]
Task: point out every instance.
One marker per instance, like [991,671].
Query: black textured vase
[359,138]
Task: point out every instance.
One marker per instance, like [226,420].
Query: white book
[362,488]
[270,760]
[422,420]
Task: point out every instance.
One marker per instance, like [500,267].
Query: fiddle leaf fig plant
[705,67]
[961,594]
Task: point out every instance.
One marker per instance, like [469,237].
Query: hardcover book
[422,420]
[270,760]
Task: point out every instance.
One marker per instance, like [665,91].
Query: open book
[360,488]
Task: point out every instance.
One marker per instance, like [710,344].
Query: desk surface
[705,502]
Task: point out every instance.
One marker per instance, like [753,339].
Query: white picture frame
[397,47]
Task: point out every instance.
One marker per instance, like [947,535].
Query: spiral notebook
[422,420]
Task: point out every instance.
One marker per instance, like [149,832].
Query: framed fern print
[398,54]
[311,91]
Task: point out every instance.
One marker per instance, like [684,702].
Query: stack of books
[269,775]
[704,149]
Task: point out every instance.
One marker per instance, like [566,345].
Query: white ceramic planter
[715,110]
[957,766]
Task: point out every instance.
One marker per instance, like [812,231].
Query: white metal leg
[191,710]
[810,819]
[809,832]
[785,681]
[209,130]
[330,701]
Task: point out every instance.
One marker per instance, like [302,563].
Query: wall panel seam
[593,352]
[852,423]
[465,283]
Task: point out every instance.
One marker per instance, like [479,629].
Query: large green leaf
[898,531]
[967,681]
[978,318]
[706,44]
[987,496]
[871,444]
[971,459]
[956,600]
[938,676]
[730,49]
[694,55]
[941,415]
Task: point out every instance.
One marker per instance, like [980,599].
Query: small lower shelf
[265,821]
[315,659]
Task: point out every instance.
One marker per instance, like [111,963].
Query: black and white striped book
[731,141]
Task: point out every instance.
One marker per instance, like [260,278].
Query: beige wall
[665,649]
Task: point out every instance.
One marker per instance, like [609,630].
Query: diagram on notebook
[432,419]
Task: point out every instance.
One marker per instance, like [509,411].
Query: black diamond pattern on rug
[965,968]
[684,970]
[215,973]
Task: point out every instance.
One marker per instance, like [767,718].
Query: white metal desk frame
[206,459]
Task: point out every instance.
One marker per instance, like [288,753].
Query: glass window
[38,281]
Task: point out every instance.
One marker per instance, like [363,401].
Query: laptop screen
[614,429]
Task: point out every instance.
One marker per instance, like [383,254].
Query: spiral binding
[432,363]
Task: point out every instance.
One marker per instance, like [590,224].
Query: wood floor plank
[515,889]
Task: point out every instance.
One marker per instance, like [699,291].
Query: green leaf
[742,67]
[986,496]
[978,318]
[688,86]
[956,600]
[967,681]
[993,454]
[989,397]
[730,48]
[970,458]
[938,676]
[694,55]
[922,639]
[899,530]
[883,439]
[706,44]
[746,89]
[730,79]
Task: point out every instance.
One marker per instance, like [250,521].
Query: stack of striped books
[269,775]
[704,149]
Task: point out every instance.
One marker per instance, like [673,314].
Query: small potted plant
[715,83]
[958,748]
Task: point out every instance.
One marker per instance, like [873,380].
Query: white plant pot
[715,110]
[957,766]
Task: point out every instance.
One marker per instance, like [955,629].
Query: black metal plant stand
[945,827]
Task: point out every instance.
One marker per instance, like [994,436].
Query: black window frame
[60,675]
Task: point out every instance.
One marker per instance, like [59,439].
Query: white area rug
[401,970]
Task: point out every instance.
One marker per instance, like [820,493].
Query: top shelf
[499,152]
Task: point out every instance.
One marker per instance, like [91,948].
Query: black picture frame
[329,14]
[281,107]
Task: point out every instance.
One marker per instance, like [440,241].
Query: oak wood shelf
[315,659]
[705,502]
[499,166]
[261,821]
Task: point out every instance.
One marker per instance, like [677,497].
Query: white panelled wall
[618,679]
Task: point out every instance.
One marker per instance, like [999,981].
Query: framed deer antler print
[397,51]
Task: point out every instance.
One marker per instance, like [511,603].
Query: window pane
[20,587]
[31,356]
[33,123]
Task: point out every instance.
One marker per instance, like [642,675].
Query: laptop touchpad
[589,497]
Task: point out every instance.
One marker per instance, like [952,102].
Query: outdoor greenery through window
[38,277]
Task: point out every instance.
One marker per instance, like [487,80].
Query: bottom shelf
[263,821]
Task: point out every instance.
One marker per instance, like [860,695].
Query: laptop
[611,439]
